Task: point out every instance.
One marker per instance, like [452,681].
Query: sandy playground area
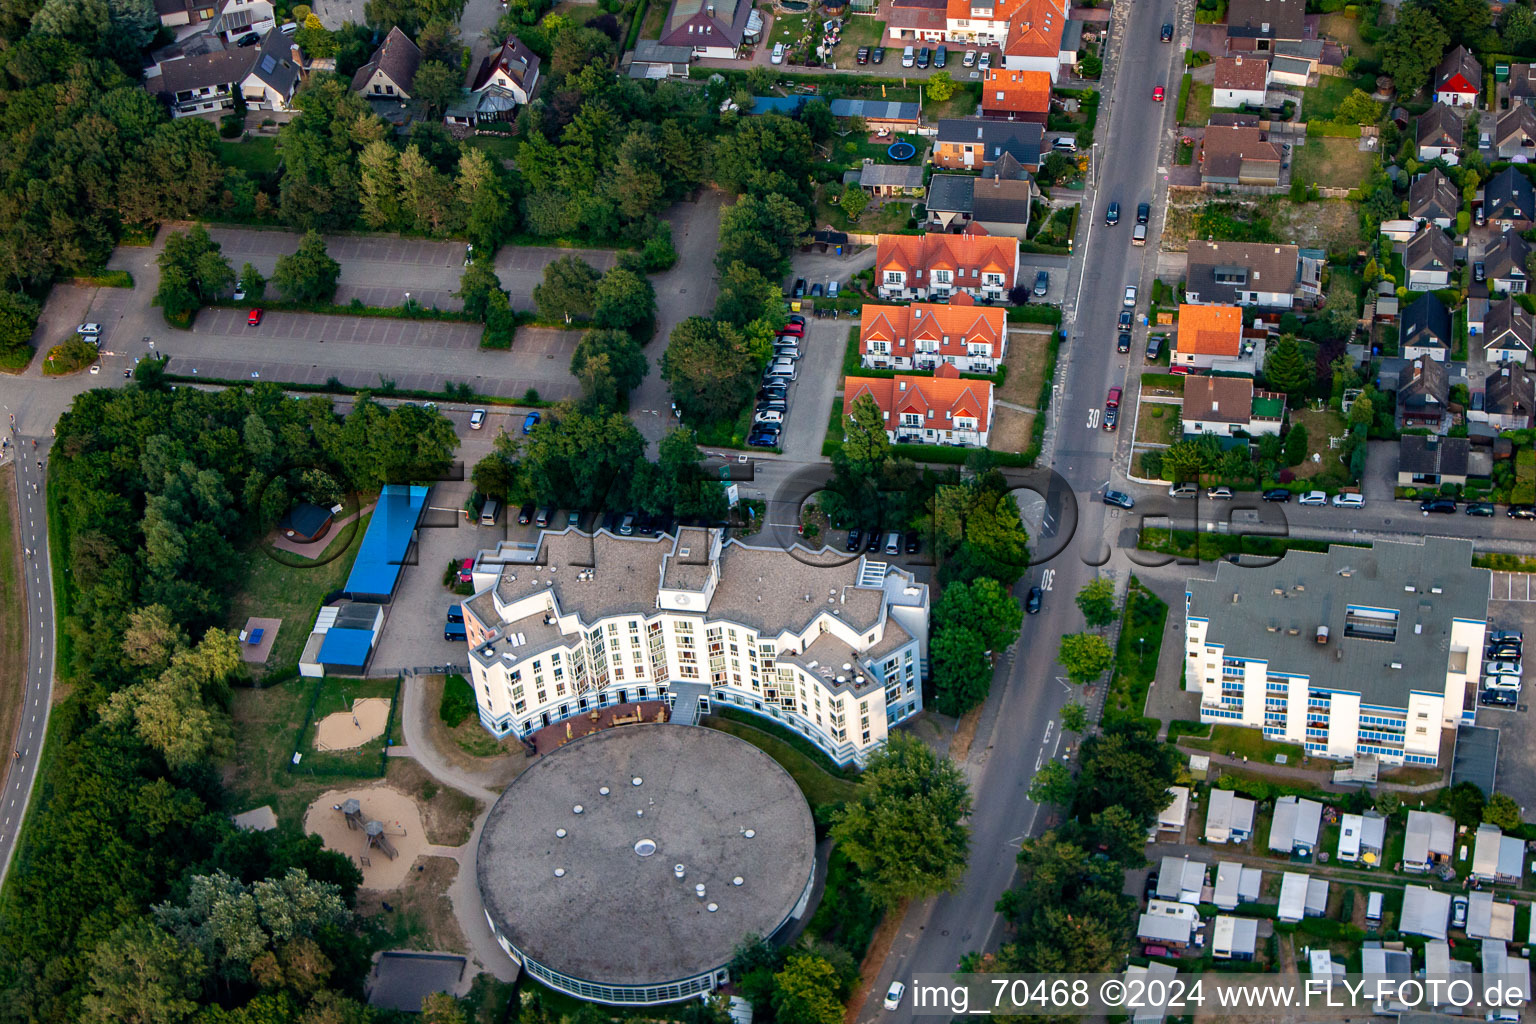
[397,812]
[344,730]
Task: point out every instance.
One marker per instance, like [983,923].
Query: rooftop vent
[712,907]
[737,880]
[559,872]
[559,833]
[698,890]
[749,833]
[1322,634]
[637,780]
[602,790]
[577,809]
[645,847]
[677,869]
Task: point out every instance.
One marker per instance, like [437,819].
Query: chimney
[1239,61]
[298,58]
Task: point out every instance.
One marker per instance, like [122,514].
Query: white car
[1130,295]
[1219,493]
[239,294]
[95,368]
[893,995]
[778,53]
[985,63]
[88,329]
[477,419]
[771,416]
[1348,501]
[1313,498]
[969,59]
[1506,683]
[1502,668]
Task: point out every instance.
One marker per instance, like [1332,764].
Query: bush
[69,357]
[458,701]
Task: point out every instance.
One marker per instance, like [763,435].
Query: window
[893,277]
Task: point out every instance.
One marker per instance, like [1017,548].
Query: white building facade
[1348,653]
[831,648]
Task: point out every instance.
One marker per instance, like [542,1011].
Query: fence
[338,764]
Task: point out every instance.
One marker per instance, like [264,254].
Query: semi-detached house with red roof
[924,336]
[1209,337]
[936,267]
[1034,41]
[942,409]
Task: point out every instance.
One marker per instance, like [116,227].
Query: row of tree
[194,271]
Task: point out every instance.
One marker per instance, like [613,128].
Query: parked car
[1521,512]
[831,289]
[89,330]
[816,290]
[1277,494]
[855,539]
[1065,144]
[1042,283]
[969,60]
[893,995]
[530,421]
[1498,698]
[249,39]
[525,514]
[923,56]
[1126,319]
[863,55]
[1502,668]
[797,320]
[467,571]
[1154,347]
[914,542]
[1143,212]
[1130,295]
[1119,499]
[1348,501]
[798,292]
[455,613]
[1219,493]
[985,63]
[1157,94]
[1480,508]
[1123,342]
[778,54]
[939,57]
[1503,650]
[793,330]
[542,517]
[253,318]
[1111,418]
[763,436]
[1443,506]
[878,56]
[1167,35]
[1459,911]
[477,419]
[1112,215]
[1313,498]
[1113,400]
[872,541]
[1033,601]
[1478,273]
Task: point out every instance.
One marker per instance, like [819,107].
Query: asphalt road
[21,770]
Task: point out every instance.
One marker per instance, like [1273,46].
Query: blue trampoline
[901,151]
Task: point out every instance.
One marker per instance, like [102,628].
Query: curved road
[32,528]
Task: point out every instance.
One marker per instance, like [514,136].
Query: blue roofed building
[391,534]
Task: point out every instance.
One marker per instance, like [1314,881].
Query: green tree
[941,87]
[761,232]
[854,200]
[1287,368]
[315,39]
[962,672]
[745,295]
[575,460]
[141,975]
[623,365]
[626,301]
[1074,717]
[18,319]
[485,201]
[476,286]
[1085,656]
[903,829]
[193,270]
[568,291]
[308,275]
[710,370]
[985,606]
[1464,802]
[1053,784]
[436,85]
[979,533]
[252,283]
[865,442]
[173,713]
[492,475]
[1358,108]
[1501,810]
[442,1008]
[379,185]
[1296,445]
[1097,601]
[1412,46]
[805,992]
[1125,766]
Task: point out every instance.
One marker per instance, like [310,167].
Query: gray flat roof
[1305,590]
[1477,757]
[620,918]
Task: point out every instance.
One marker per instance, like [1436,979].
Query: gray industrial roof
[1255,619]
[1477,757]
[619,916]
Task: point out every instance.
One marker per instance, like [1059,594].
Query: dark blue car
[529,421]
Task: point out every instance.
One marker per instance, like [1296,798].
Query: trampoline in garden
[901,151]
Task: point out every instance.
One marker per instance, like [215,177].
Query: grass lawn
[890,216]
[1330,224]
[1158,423]
[1347,31]
[1332,163]
[655,20]
[1197,109]
[786,29]
[275,590]
[850,152]
[253,156]
[1236,741]
[1141,640]
[1320,427]
[1026,367]
[497,147]
[1321,101]
[857,32]
[1011,430]
[13,628]
[819,787]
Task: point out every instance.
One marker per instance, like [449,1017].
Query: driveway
[309,349]
[810,396]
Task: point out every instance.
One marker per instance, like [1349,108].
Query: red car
[1113,401]
[254,318]
[794,329]
[1157,94]
[466,573]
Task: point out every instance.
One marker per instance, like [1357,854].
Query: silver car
[1130,295]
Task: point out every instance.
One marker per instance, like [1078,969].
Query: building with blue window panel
[1349,652]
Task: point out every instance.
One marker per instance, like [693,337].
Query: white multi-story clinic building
[831,647]
[1353,652]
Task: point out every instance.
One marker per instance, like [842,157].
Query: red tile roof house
[937,266]
[1240,81]
[942,409]
[924,335]
[1458,79]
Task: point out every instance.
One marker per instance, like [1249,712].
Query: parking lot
[1517,735]
[1056,266]
[819,378]
[362,352]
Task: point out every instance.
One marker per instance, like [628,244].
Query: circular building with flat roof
[626,866]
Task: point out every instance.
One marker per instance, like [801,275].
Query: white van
[1348,501]
[783,366]
[489,512]
[908,57]
[1373,904]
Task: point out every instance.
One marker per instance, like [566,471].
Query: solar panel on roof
[268,63]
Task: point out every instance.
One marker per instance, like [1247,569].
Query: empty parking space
[1511,586]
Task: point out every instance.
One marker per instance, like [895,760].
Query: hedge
[1034,314]
[355,308]
[105,279]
